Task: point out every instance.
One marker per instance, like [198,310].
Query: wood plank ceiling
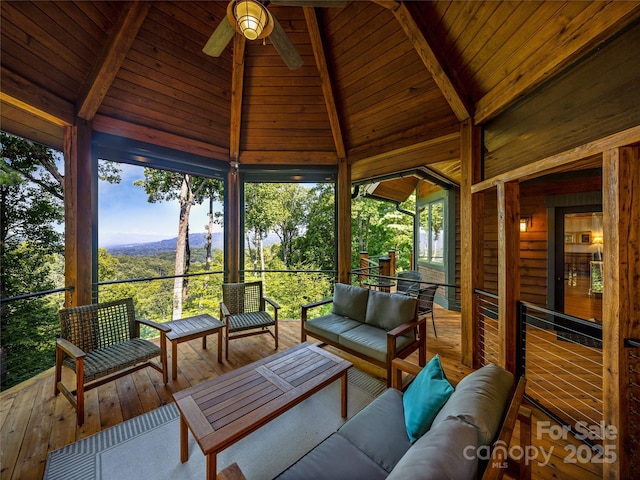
[384,84]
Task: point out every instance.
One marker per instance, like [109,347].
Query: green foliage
[378,227]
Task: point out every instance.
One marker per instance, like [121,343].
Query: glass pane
[583,265]
[436,236]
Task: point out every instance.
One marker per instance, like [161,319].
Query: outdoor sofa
[372,325]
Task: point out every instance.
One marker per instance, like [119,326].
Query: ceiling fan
[252,19]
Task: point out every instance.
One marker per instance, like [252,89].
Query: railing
[153,299]
[562,359]
[632,357]
[488,339]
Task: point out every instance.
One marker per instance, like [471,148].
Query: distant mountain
[196,240]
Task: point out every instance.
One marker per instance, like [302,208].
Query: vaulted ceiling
[384,84]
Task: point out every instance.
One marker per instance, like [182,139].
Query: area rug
[147,447]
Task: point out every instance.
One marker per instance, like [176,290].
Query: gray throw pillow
[389,310]
[349,301]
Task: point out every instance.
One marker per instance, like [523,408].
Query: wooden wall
[592,99]
[533,242]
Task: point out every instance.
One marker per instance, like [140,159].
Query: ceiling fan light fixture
[251,18]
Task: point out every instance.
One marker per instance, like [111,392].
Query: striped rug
[147,447]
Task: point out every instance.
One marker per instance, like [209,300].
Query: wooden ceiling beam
[325,79]
[417,155]
[106,67]
[288,157]
[453,93]
[113,126]
[578,37]
[23,94]
[237,89]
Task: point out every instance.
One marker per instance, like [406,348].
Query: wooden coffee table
[189,328]
[228,408]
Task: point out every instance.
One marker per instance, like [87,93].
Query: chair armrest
[224,310]
[272,303]
[400,366]
[152,324]
[324,301]
[405,327]
[308,306]
[70,349]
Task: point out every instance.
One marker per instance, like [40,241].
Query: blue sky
[125,216]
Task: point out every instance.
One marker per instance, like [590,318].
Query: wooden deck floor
[33,422]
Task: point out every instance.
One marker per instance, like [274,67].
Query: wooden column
[621,305]
[233,239]
[344,221]
[392,267]
[385,271]
[508,270]
[80,212]
[472,238]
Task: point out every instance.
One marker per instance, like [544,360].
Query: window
[432,232]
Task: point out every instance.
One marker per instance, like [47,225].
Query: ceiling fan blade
[220,38]
[310,3]
[284,46]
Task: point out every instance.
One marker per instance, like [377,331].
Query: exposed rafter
[117,127]
[237,86]
[453,93]
[110,60]
[325,78]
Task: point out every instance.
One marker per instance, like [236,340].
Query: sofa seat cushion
[388,310]
[480,399]
[349,301]
[330,326]
[334,459]
[378,430]
[447,451]
[424,398]
[371,341]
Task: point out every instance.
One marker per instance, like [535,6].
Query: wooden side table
[189,328]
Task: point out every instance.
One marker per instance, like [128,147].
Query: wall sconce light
[235,166]
[252,17]
[524,223]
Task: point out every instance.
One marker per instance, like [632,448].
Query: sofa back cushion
[389,310]
[446,451]
[481,400]
[349,301]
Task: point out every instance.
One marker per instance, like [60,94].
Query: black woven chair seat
[248,321]
[106,360]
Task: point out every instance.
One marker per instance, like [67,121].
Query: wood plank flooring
[33,422]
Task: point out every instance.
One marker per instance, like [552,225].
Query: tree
[31,248]
[259,218]
[291,212]
[316,247]
[163,185]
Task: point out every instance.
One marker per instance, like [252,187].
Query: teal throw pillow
[424,398]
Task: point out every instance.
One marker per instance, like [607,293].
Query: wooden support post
[472,239]
[508,271]
[621,304]
[344,221]
[80,211]
[233,240]
[392,265]
[384,270]
[363,264]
